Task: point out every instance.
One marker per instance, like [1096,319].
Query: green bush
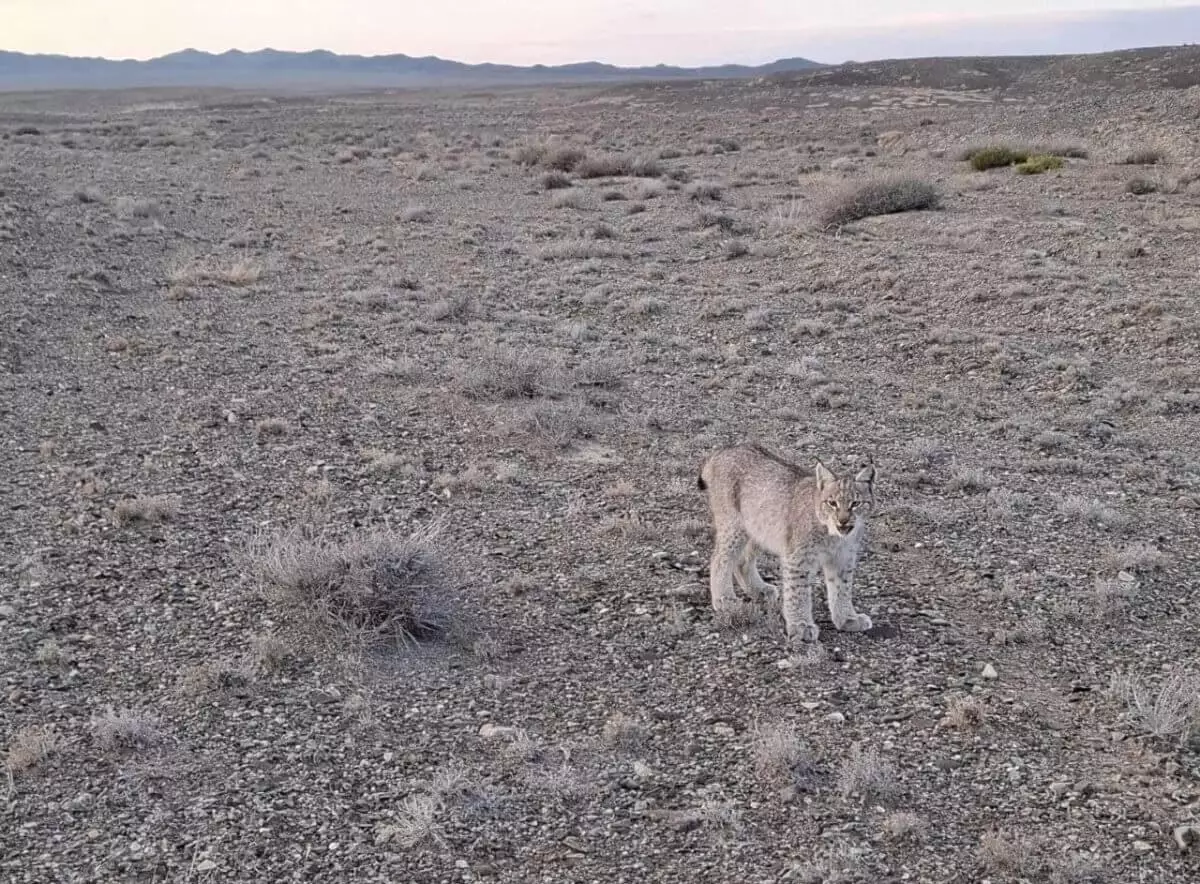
[984,158]
[1036,165]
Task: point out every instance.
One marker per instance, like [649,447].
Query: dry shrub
[1009,854]
[125,730]
[866,774]
[1147,156]
[1170,712]
[501,372]
[617,166]
[146,510]
[623,731]
[381,587]
[882,197]
[779,757]
[29,747]
[551,155]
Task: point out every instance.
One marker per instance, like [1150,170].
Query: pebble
[497,732]
[1142,846]
[989,672]
[835,717]
[7,612]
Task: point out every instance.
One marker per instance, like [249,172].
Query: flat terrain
[227,317]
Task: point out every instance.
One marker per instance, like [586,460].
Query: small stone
[1126,577]
[1143,846]
[7,612]
[724,730]
[1186,835]
[835,717]
[497,732]
[989,672]
[205,865]
[810,705]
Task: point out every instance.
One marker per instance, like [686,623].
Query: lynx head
[842,502]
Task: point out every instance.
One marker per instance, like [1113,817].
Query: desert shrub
[883,197]
[1038,164]
[558,157]
[555,181]
[617,166]
[504,373]
[381,587]
[1069,151]
[994,157]
[1140,186]
[1144,157]
[563,158]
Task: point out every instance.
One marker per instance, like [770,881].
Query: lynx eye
[831,503]
[854,504]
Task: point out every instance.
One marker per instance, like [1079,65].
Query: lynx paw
[856,623]
[805,633]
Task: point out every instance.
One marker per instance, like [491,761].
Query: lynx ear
[824,476]
[866,475]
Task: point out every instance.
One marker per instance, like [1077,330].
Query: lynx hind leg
[839,588]
[727,552]
[750,579]
[796,601]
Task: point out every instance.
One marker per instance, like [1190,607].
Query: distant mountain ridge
[272,67]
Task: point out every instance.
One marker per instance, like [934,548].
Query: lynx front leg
[797,600]
[839,588]
[727,551]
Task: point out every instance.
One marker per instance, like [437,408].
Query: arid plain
[239,330]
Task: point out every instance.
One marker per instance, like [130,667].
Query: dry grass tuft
[779,757]
[619,166]
[29,747]
[882,197]
[864,773]
[501,372]
[623,731]
[125,730]
[379,588]
[1147,156]
[1170,712]
[903,825]
[1008,854]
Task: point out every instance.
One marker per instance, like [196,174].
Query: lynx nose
[846,527]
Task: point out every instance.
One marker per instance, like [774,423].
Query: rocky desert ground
[269,363]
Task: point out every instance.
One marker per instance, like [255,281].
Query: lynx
[762,503]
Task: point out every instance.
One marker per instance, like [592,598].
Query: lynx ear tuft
[824,475]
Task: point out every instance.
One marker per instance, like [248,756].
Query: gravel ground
[233,321]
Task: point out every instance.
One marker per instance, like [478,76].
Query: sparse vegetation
[883,197]
[994,157]
[381,587]
[146,510]
[307,326]
[1039,163]
[1147,156]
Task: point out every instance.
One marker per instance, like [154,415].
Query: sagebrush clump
[884,197]
[382,587]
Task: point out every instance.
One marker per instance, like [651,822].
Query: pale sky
[625,32]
